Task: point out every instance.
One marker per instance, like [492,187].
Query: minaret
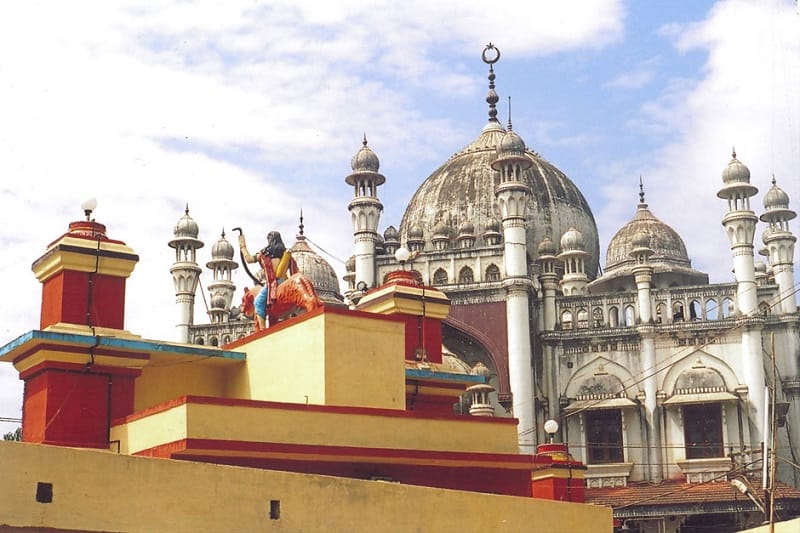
[365,209]
[513,193]
[185,271]
[221,289]
[643,275]
[779,242]
[549,279]
[740,224]
[573,254]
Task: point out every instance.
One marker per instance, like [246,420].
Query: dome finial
[186,211]
[364,142]
[492,97]
[301,221]
[509,113]
[641,190]
[733,152]
[774,182]
[223,232]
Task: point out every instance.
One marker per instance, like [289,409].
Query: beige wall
[95,491]
[328,359]
[270,423]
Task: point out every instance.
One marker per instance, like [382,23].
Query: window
[440,277]
[492,273]
[604,436]
[465,276]
[702,430]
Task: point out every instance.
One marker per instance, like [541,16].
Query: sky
[250,111]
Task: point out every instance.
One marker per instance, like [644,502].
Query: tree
[14,435]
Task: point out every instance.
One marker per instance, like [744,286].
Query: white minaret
[573,254]
[185,271]
[221,289]
[512,193]
[740,224]
[365,209]
[549,280]
[779,242]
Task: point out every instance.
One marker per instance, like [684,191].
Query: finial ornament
[733,152]
[773,180]
[364,142]
[641,190]
[492,97]
[486,59]
[186,211]
[301,211]
[223,233]
[509,113]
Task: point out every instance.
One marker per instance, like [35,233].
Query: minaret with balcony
[221,289]
[513,193]
[779,243]
[365,208]
[740,224]
[185,271]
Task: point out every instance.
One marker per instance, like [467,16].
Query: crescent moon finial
[488,60]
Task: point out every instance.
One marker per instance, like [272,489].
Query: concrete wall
[93,491]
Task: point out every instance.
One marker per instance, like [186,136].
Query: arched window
[199,340]
[613,317]
[727,307]
[440,277]
[213,341]
[583,319]
[566,320]
[465,275]
[712,309]
[597,317]
[492,273]
[630,316]
[677,312]
[660,311]
[764,308]
[694,310]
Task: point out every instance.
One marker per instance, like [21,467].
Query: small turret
[185,271]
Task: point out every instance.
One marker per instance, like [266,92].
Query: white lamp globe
[402,254]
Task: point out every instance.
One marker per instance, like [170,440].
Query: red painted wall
[65,298]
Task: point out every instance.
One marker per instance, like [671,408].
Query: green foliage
[14,435]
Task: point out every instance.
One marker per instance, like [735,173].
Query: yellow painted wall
[286,365]
[165,378]
[94,491]
[365,363]
[274,424]
[329,359]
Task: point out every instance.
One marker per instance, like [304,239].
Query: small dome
[391,234]
[492,226]
[480,370]
[547,247]
[222,249]
[350,264]
[641,240]
[365,159]
[466,228]
[761,267]
[186,226]
[511,144]
[415,232]
[218,302]
[776,198]
[736,172]
[572,240]
[440,230]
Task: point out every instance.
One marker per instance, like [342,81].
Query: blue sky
[251,111]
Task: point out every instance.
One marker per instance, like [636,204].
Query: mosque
[662,383]
[662,386]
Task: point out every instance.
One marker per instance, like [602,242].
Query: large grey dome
[462,189]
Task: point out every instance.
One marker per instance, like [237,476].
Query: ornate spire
[492,97]
[509,114]
[641,191]
[301,211]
